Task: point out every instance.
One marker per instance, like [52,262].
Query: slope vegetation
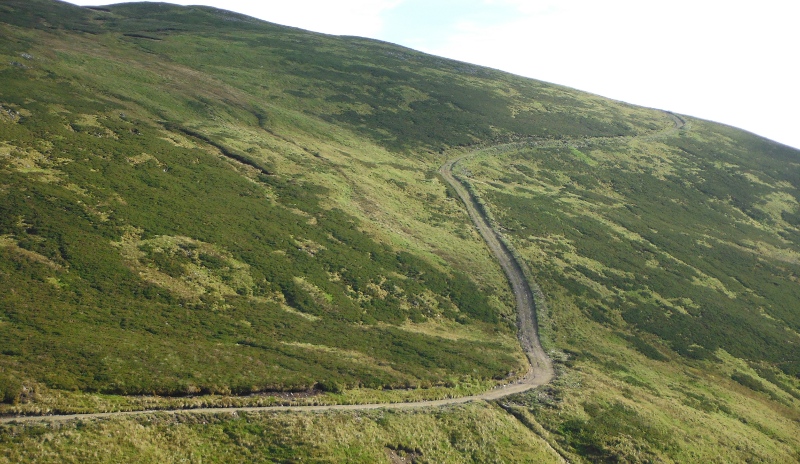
[184,174]
[198,208]
[671,276]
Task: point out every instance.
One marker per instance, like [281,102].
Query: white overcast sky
[735,61]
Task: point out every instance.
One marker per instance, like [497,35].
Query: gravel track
[540,371]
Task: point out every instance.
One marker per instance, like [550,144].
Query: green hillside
[200,208]
[670,266]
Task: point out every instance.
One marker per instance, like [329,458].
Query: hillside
[200,208]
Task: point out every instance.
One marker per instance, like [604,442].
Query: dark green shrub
[748,381]
[10,389]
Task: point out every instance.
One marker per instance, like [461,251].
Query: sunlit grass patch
[185,266]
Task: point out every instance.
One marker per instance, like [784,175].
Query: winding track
[539,373]
[541,369]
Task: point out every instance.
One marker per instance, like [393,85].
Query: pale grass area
[177,139]
[291,310]
[584,157]
[559,252]
[391,195]
[321,298]
[143,158]
[352,356]
[279,299]
[713,283]
[763,249]
[32,162]
[363,179]
[53,401]
[91,120]
[43,166]
[777,202]
[196,279]
[472,433]
[451,330]
[8,241]
[681,401]
[753,177]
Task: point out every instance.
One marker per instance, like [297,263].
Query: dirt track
[540,372]
[541,369]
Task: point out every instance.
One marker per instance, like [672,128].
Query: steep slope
[196,202]
[670,263]
[182,173]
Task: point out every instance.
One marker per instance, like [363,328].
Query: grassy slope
[670,264]
[174,174]
[221,178]
[273,254]
[475,433]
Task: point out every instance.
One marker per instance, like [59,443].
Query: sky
[736,62]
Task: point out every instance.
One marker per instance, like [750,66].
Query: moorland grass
[199,204]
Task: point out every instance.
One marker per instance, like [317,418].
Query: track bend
[541,368]
[539,373]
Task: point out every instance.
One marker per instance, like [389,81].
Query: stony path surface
[541,370]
